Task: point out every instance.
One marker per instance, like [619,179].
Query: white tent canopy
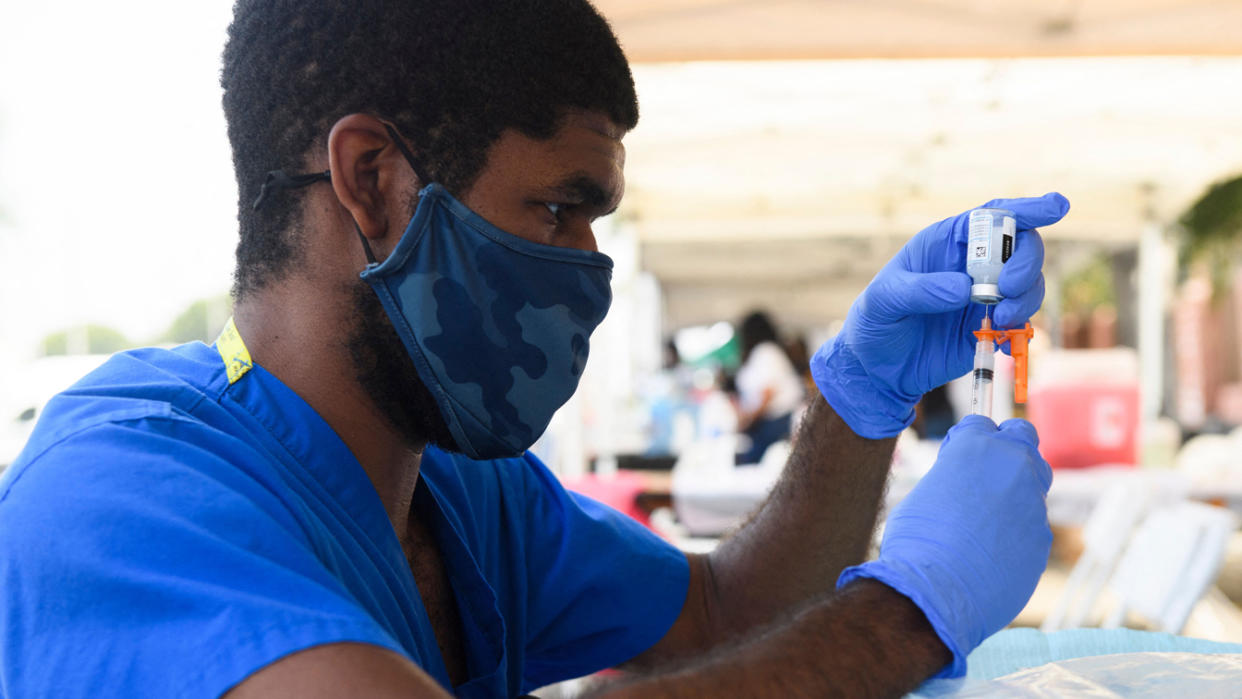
[787,184]
[683,30]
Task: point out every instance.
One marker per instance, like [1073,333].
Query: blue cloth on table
[1016,649]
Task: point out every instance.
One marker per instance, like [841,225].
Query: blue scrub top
[167,533]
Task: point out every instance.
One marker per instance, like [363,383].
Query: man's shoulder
[156,372]
[149,390]
[148,521]
[143,440]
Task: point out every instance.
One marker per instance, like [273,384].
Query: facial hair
[386,373]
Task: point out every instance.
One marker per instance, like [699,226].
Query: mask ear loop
[366,247]
[423,179]
[279,179]
[418,172]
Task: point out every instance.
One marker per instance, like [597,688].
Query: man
[265,517]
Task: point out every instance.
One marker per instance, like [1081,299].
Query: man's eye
[555,208]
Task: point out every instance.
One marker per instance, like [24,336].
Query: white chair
[1172,559]
[1105,534]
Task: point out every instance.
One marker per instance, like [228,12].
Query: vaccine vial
[988,246]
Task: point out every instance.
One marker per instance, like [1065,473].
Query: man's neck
[302,344]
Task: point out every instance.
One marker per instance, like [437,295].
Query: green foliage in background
[202,321]
[1211,232]
[1089,287]
[99,339]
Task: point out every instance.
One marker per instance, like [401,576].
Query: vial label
[980,238]
[1007,236]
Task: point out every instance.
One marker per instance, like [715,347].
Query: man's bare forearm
[818,520]
[865,641]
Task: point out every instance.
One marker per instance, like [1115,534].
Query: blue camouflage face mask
[497,326]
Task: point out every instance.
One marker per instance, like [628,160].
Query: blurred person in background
[768,387]
[336,498]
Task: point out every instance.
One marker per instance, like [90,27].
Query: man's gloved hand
[968,544]
[909,331]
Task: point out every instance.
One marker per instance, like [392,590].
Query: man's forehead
[594,135]
[599,177]
[584,160]
[590,142]
[594,121]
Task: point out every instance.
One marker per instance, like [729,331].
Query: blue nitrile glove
[909,331]
[968,544]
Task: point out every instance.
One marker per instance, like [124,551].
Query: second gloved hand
[969,543]
[909,331]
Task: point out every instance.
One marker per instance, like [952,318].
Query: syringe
[985,361]
[990,244]
[981,385]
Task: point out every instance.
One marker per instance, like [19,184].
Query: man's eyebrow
[582,189]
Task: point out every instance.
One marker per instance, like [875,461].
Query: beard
[386,373]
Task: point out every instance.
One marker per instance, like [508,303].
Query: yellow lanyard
[233,351]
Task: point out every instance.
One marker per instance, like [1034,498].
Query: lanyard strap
[233,351]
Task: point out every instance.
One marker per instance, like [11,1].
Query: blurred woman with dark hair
[769,390]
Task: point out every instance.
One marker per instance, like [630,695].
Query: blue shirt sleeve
[602,587]
[144,539]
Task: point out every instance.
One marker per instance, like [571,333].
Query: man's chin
[386,373]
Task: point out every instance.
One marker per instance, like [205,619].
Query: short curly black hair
[450,74]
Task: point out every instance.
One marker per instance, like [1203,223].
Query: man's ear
[368,172]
